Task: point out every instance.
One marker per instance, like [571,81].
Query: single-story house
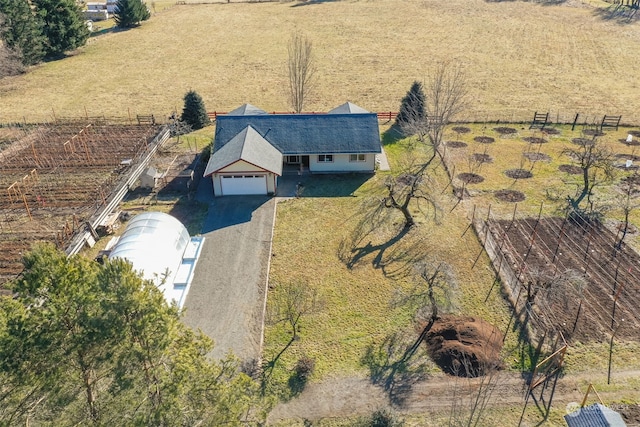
[251,148]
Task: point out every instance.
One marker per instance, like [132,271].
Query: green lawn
[358,280]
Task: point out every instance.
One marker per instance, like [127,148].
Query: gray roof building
[249,146]
[595,415]
[246,110]
[305,134]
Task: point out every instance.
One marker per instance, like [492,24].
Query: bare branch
[301,67]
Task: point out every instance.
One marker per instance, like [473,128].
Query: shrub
[382,418]
[130,13]
[301,373]
[194,112]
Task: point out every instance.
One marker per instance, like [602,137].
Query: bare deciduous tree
[409,185]
[291,302]
[596,163]
[301,67]
[426,114]
[447,96]
[628,201]
[439,293]
[470,401]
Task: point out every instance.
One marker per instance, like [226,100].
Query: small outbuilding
[160,248]
[596,415]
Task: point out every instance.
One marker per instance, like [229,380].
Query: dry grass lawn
[519,57]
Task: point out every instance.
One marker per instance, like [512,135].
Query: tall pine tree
[194,112]
[64,26]
[89,344]
[22,31]
[130,13]
[412,106]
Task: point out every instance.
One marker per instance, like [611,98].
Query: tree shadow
[392,135]
[392,366]
[310,2]
[395,261]
[619,13]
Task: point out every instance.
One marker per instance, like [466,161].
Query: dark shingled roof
[304,134]
[249,146]
[595,415]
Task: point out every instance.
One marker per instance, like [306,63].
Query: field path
[357,396]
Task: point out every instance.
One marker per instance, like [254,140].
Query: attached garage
[236,185]
[247,165]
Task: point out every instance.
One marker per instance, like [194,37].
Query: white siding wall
[341,163]
[239,168]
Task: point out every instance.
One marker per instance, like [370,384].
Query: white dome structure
[157,245]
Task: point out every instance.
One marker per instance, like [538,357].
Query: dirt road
[357,396]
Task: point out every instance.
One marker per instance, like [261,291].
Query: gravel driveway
[227,296]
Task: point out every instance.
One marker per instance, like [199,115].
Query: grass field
[518,56]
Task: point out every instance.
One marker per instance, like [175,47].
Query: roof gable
[304,134]
[247,145]
[348,108]
[246,110]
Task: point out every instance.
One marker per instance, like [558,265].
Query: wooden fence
[386,116]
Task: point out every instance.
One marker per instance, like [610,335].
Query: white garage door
[243,184]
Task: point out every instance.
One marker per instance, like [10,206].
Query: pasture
[518,56]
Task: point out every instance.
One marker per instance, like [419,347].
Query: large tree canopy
[194,112]
[130,13]
[82,343]
[21,31]
[64,27]
[411,108]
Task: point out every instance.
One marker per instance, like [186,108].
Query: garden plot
[54,177]
[562,275]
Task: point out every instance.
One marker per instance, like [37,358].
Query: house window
[325,158]
[357,158]
[293,159]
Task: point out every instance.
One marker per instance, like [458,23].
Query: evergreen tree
[64,26]
[85,344]
[412,106]
[194,112]
[22,31]
[130,13]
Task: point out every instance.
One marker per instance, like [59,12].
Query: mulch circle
[537,157]
[627,157]
[570,169]
[505,130]
[518,173]
[484,139]
[456,144]
[534,140]
[470,178]
[512,196]
[633,142]
[592,132]
[461,129]
[551,131]
[582,141]
[635,133]
[482,158]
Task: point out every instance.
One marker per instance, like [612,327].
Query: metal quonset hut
[159,247]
